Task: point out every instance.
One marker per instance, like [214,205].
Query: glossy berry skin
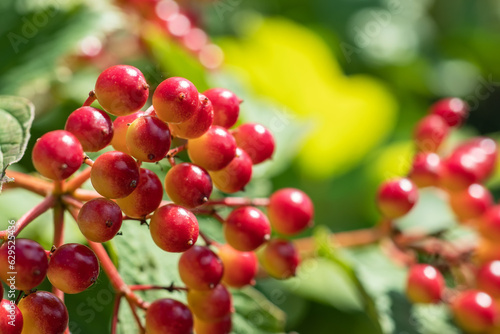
[146,198]
[188,185]
[453,110]
[396,197]
[57,154]
[256,140]
[222,326]
[121,90]
[472,202]
[148,139]
[9,312]
[246,228]
[279,258]
[430,133]
[425,170]
[235,176]
[200,268]
[198,124]
[73,268]
[210,305]
[226,106]
[121,125]
[471,162]
[100,219]
[488,279]
[290,211]
[214,150]
[114,174]
[168,316]
[92,127]
[175,100]
[43,313]
[474,311]
[240,268]
[489,224]
[425,284]
[173,228]
[30,263]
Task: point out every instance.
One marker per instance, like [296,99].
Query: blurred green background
[340,84]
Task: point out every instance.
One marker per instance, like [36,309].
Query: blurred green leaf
[16,116]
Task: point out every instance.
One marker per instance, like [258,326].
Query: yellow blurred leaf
[289,63]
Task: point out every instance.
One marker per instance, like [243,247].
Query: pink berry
[148,139]
[168,316]
[210,305]
[214,150]
[290,211]
[173,228]
[57,154]
[223,326]
[121,90]
[396,197]
[198,124]
[246,228]
[11,318]
[175,100]
[474,311]
[472,202]
[235,176]
[188,185]
[489,224]
[279,258]
[425,170]
[121,125]
[200,268]
[453,110]
[92,127]
[425,284]
[100,219]
[240,268]
[226,106]
[430,133]
[256,140]
[488,278]
[44,313]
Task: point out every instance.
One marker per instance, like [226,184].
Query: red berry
[198,124]
[489,224]
[488,278]
[256,140]
[474,311]
[471,162]
[235,176]
[425,170]
[240,268]
[223,326]
[43,313]
[11,318]
[188,185]
[472,202]
[30,263]
[92,127]
[290,211]
[146,198]
[200,268]
[246,228]
[121,90]
[425,284]
[226,106]
[396,197]
[99,219]
[173,228]
[214,150]
[114,174]
[210,305]
[73,268]
[168,316]
[148,139]
[175,100]
[279,258]
[453,110]
[57,154]
[430,132]
[121,125]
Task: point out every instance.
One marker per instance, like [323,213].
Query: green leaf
[16,116]
[140,261]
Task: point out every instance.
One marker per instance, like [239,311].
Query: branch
[77,181]
[85,195]
[116,309]
[238,201]
[90,99]
[170,288]
[29,182]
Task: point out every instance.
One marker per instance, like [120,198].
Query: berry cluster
[220,154]
[460,173]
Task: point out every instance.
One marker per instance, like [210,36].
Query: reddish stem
[88,161]
[116,309]
[47,203]
[205,238]
[85,195]
[238,201]
[173,152]
[29,182]
[78,180]
[170,288]
[90,99]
